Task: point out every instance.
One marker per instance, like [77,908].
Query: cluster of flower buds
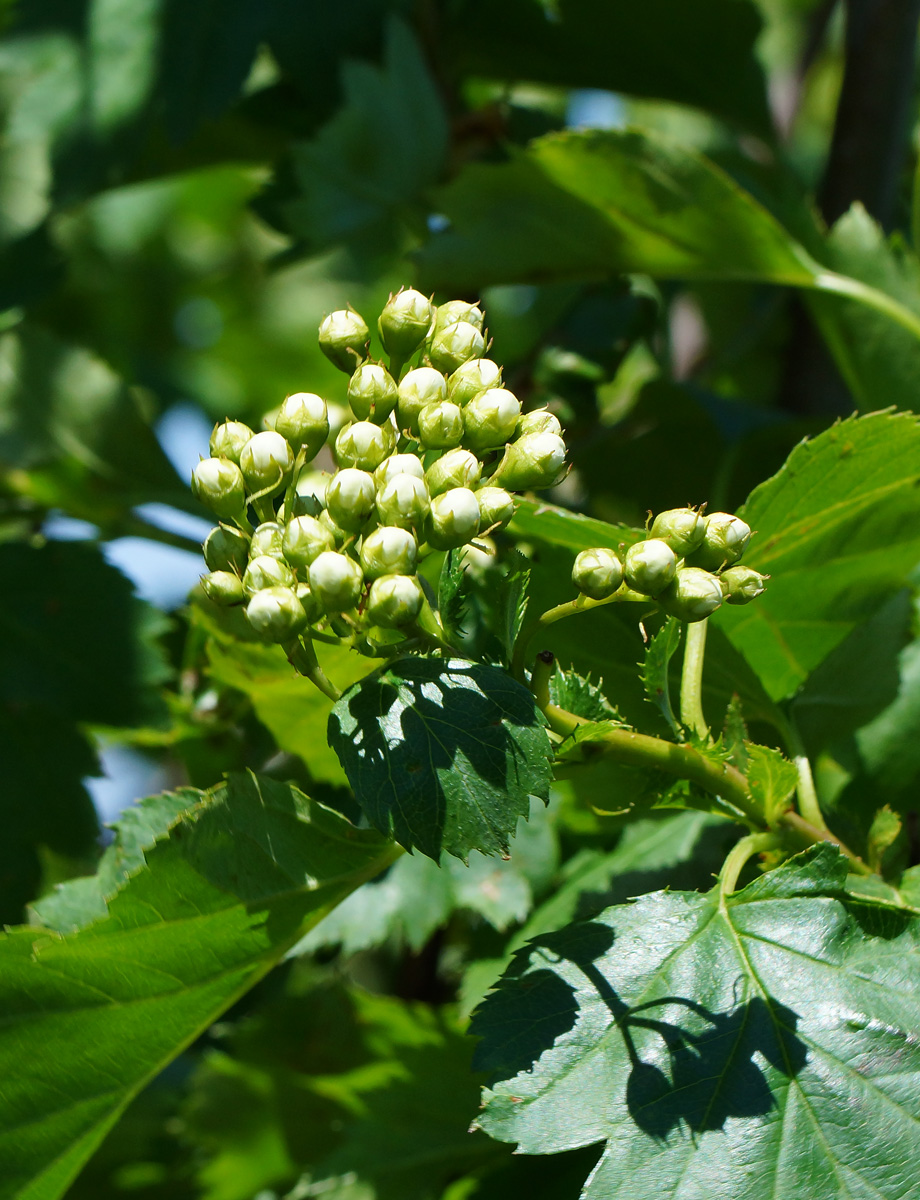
[429,462]
[688,565]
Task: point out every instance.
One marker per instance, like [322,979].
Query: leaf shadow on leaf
[696,1078]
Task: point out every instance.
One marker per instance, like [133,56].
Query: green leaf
[443,754]
[702,56]
[885,827]
[370,165]
[93,1016]
[838,531]
[588,204]
[655,669]
[888,747]
[738,1049]
[578,695]
[771,778]
[559,527]
[452,599]
[513,599]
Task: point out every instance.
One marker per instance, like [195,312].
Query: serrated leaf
[771,778]
[452,605]
[736,1049]
[838,529]
[577,694]
[655,670]
[885,827]
[442,754]
[513,598]
[560,527]
[90,1017]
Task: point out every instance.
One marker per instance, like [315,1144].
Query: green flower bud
[394,600]
[440,425]
[372,393]
[597,573]
[398,464]
[724,541]
[404,323]
[650,566]
[364,445]
[541,420]
[350,498]
[228,440]
[741,585]
[681,528]
[226,549]
[304,420]
[490,419]
[389,550]
[276,614]
[268,419]
[417,389]
[453,519]
[456,468]
[219,483]
[472,378]
[536,460]
[336,581]
[496,507]
[403,502]
[692,595]
[456,310]
[338,533]
[267,540]
[266,463]
[305,538]
[310,602]
[344,339]
[266,572]
[223,587]
[456,345]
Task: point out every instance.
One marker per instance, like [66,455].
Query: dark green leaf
[578,695]
[655,670]
[771,778]
[452,601]
[514,597]
[560,527]
[838,530]
[888,748]
[739,1048]
[231,888]
[443,754]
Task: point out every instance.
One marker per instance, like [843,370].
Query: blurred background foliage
[185,191]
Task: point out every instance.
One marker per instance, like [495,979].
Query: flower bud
[597,573]
[344,339]
[372,393]
[404,323]
[472,377]
[266,463]
[741,585]
[456,468]
[350,498]
[228,440]
[336,581]
[226,549]
[337,532]
[403,502]
[724,541]
[394,600]
[692,595]
[266,572]
[304,420]
[305,538]
[310,602]
[364,445]
[453,519]
[276,614]
[650,566]
[418,388]
[389,550]
[456,310]
[540,420]
[223,587]
[219,483]
[496,507]
[490,419]
[536,460]
[440,425]
[267,540]
[681,528]
[398,464]
[456,345]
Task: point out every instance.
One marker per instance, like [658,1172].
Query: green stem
[569,609]
[691,680]
[299,464]
[302,658]
[263,508]
[805,786]
[808,834]
[539,680]
[853,289]
[754,843]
